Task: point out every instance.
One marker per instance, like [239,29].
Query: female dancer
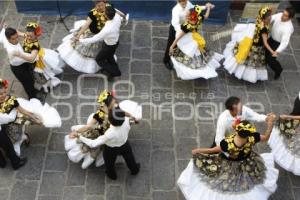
[245,53]
[232,170]
[285,140]
[190,58]
[16,113]
[81,57]
[97,124]
[47,62]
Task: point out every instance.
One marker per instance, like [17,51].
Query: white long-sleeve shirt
[179,15]
[7,118]
[115,136]
[226,120]
[11,49]
[281,31]
[109,34]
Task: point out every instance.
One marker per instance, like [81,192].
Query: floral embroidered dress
[78,151]
[191,58]
[245,53]
[236,173]
[77,55]
[285,142]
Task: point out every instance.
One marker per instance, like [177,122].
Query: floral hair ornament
[4,83]
[263,11]
[103,96]
[198,9]
[245,127]
[194,15]
[37,29]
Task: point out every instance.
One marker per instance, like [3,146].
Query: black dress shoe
[22,162]
[138,166]
[168,65]
[3,165]
[277,76]
[112,175]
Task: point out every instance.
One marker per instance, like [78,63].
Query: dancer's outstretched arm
[213,150]
[290,117]
[265,137]
[181,34]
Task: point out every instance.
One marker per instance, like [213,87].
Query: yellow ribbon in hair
[200,41]
[243,50]
[39,63]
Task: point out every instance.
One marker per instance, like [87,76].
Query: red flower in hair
[38,31]
[194,16]
[237,121]
[5,83]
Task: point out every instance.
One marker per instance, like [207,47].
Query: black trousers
[272,61]
[7,146]
[171,38]
[24,73]
[296,109]
[110,155]
[106,60]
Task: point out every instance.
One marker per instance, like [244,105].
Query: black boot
[135,172]
[112,175]
[22,162]
[169,65]
[3,165]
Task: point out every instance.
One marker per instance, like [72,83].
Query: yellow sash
[200,41]
[39,63]
[243,50]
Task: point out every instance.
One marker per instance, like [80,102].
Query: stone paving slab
[161,143]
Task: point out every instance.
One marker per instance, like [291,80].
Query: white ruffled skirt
[74,148]
[189,47]
[49,116]
[193,188]
[53,66]
[241,71]
[283,157]
[72,57]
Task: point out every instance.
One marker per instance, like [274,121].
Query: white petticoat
[282,156]
[242,71]
[190,48]
[73,58]
[53,66]
[193,189]
[49,115]
[74,149]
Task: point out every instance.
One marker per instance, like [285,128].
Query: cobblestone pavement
[163,145]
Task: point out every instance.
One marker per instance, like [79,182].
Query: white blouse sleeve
[2,35]
[253,116]
[94,143]
[284,41]
[221,130]
[7,118]
[175,20]
[98,37]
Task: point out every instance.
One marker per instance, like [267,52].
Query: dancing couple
[254,46]
[231,169]
[92,44]
[105,136]
[187,51]
[15,115]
